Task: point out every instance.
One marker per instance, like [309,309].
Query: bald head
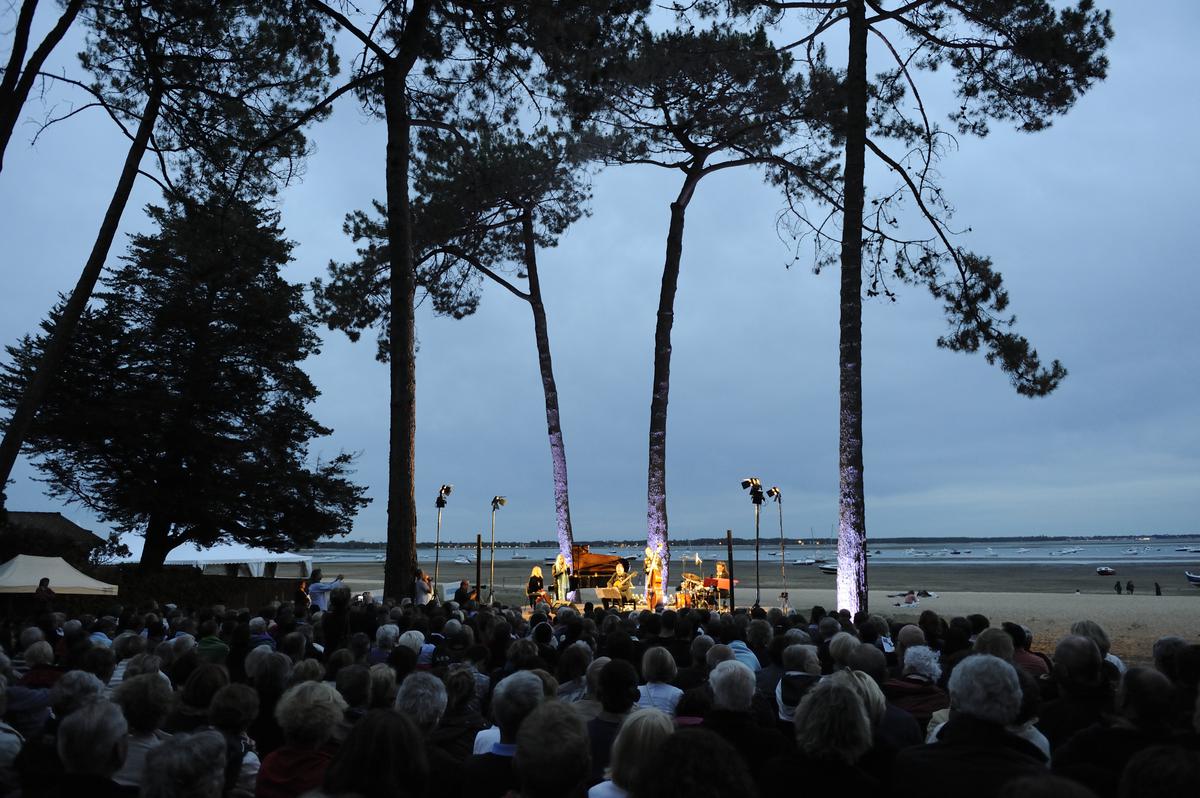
[910,635]
[871,661]
[1147,698]
[1077,660]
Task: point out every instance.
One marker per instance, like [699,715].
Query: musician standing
[562,576]
[653,563]
[722,593]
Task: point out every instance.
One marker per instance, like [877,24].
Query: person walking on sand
[1117,587]
[1129,587]
[1157,589]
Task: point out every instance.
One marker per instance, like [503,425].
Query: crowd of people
[423,700]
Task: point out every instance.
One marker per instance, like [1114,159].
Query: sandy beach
[1046,598]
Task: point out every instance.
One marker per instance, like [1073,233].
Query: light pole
[754,485]
[776,494]
[443,492]
[497,503]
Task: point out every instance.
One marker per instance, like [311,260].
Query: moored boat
[1193,578]
[1104,570]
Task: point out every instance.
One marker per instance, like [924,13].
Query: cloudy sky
[1088,221]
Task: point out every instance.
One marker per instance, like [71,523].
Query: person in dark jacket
[975,756]
[832,734]
[1084,695]
[1145,712]
[917,691]
[491,774]
[91,748]
[731,717]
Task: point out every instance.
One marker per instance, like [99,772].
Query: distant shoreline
[371,545]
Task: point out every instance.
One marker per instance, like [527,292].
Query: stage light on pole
[497,503]
[754,485]
[443,492]
[775,493]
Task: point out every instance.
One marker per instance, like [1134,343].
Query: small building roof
[55,525]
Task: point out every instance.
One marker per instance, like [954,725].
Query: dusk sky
[1091,222]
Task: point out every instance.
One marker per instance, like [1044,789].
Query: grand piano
[593,570]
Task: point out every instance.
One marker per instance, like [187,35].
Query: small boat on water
[464,559]
[805,561]
[520,557]
[1104,570]
[1130,550]
[1024,551]
[1065,552]
[832,569]
[1193,578]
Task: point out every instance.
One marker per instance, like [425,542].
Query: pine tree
[180,410]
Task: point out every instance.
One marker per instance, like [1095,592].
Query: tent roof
[220,554]
[22,573]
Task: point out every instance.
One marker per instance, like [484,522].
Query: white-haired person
[832,730]
[658,671]
[145,701]
[187,766]
[635,751]
[975,755]
[386,637]
[422,698]
[917,691]
[91,748]
[308,714]
[733,687]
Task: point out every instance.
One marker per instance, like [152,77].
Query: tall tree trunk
[656,477]
[402,508]
[558,452]
[157,546]
[68,320]
[852,520]
[19,77]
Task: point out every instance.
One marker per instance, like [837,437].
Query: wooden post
[729,554]
[478,559]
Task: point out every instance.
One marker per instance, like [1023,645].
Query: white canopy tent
[22,573]
[224,557]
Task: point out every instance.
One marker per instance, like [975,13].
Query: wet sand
[1042,597]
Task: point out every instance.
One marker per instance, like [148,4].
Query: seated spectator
[697,673]
[231,712]
[730,717]
[658,671]
[307,670]
[422,699]
[618,690]
[917,691]
[573,663]
[308,714]
[1035,664]
[896,728]
[552,753]
[1144,717]
[841,647]
[258,634]
[801,671]
[186,766]
[995,642]
[192,711]
[145,701]
[1160,770]
[39,658]
[460,722]
[588,707]
[1084,693]
[696,763]
[386,637]
[269,678]
[906,638]
[491,774]
[91,748]
[38,766]
[1094,632]
[384,756]
[354,684]
[974,755]
[833,733]
[635,751]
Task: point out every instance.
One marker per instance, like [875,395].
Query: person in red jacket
[308,714]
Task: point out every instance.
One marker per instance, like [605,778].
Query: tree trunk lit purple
[852,523]
[558,452]
[656,477]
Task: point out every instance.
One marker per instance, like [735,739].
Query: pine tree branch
[343,21]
